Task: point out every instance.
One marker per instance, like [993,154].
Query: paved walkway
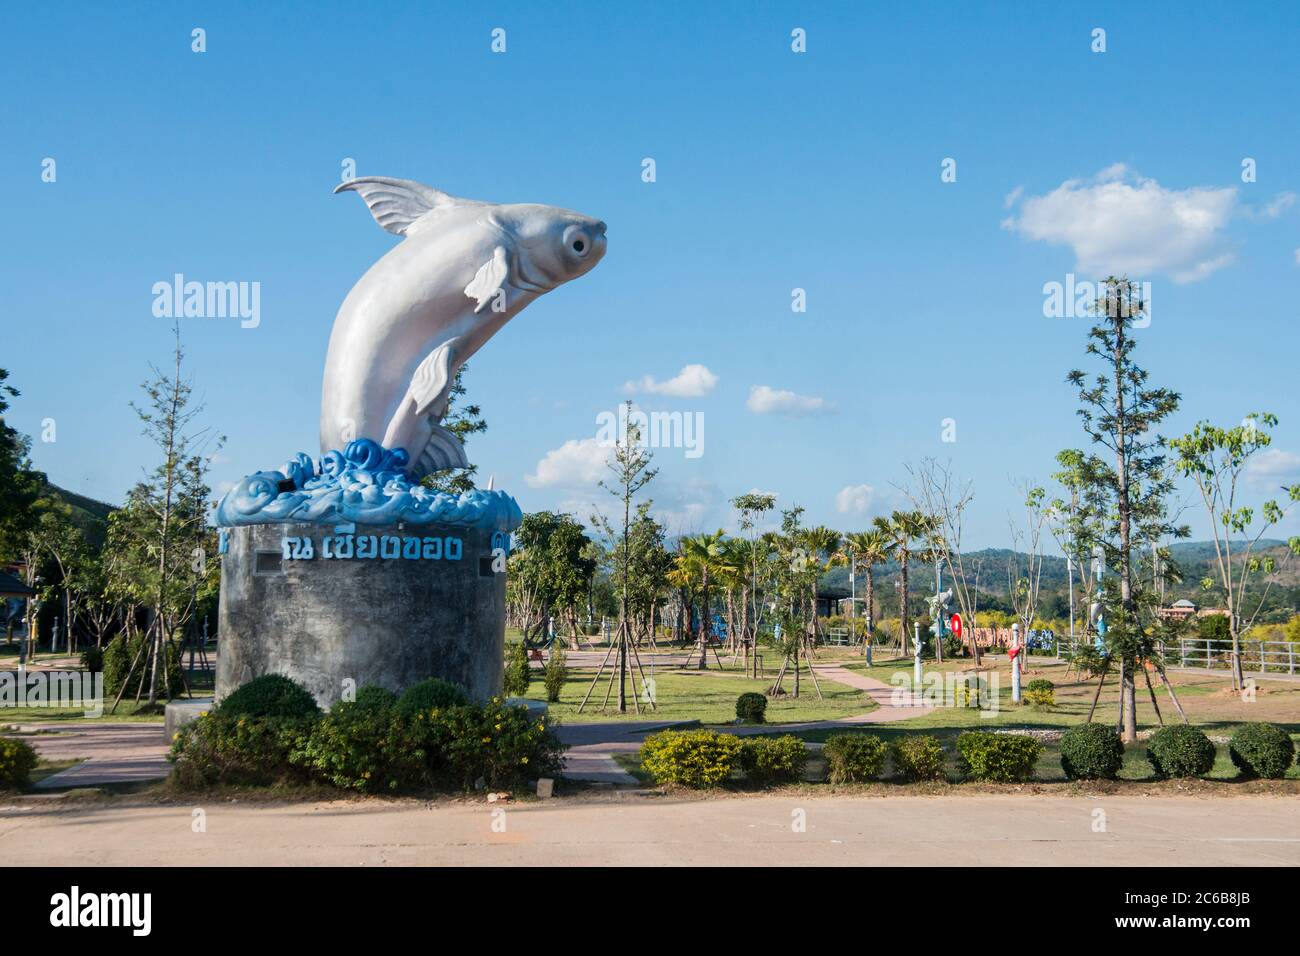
[109,753]
[630,828]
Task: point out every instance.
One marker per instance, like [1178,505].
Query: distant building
[1184,609]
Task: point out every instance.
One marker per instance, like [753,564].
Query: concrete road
[629,827]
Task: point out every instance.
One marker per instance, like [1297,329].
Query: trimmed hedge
[1091,752]
[692,758]
[918,757]
[1180,750]
[116,662]
[851,758]
[434,693]
[17,758]
[555,673]
[271,695]
[233,749]
[370,745]
[999,757]
[1261,750]
[374,697]
[751,707]
[768,760]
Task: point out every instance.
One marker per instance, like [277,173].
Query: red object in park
[956,626]
[1012,652]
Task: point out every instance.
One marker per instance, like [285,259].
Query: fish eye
[577,242]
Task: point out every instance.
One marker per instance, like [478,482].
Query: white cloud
[1276,206]
[574,464]
[1270,468]
[692,381]
[764,400]
[854,499]
[1120,222]
[1012,197]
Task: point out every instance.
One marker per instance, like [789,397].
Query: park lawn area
[707,696]
[127,712]
[1207,698]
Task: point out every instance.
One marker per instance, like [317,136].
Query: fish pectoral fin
[489,284]
[431,384]
[443,450]
[398,203]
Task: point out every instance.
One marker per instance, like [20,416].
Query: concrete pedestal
[390,605]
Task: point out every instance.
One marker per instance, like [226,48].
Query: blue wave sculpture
[366,484]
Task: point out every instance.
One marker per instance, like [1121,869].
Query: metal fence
[1260,657]
[1257,657]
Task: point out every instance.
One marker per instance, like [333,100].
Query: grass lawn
[707,696]
[1207,699]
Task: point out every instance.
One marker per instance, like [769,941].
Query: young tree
[1078,523]
[1120,411]
[941,502]
[1216,459]
[752,507]
[632,472]
[1024,583]
[166,521]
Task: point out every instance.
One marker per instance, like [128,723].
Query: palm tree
[866,550]
[902,528]
[823,547]
[700,556]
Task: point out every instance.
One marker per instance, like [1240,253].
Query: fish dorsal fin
[397,203]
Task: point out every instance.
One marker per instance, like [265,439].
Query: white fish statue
[464,269]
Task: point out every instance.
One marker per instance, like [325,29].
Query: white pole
[1015,664]
[916,657]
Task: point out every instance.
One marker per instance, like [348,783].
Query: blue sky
[774,171]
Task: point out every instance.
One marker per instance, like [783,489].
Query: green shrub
[854,757]
[1040,693]
[751,707]
[356,747]
[1000,757]
[92,659]
[918,757]
[374,697]
[17,758]
[237,749]
[431,694]
[518,673]
[556,673]
[498,744]
[118,656]
[768,760]
[1180,750]
[1261,750]
[692,758]
[1091,752]
[271,695]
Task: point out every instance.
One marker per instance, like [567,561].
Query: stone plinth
[388,605]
